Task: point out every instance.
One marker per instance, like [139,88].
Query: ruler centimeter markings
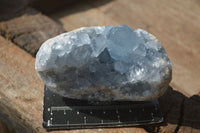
[62,113]
[64,110]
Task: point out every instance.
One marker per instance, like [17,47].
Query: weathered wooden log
[30,30]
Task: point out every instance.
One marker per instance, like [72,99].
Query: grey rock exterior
[105,64]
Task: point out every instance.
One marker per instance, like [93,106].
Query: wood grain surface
[30,29]
[175,23]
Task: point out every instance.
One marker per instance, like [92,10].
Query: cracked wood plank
[21,94]
[30,30]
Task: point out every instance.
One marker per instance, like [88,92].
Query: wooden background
[176,24]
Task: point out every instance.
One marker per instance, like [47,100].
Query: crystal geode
[105,64]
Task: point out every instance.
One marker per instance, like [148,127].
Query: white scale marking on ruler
[152,117]
[85,119]
[118,116]
[77,113]
[60,108]
[51,111]
[48,123]
[64,108]
[117,111]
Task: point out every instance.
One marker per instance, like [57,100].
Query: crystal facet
[105,64]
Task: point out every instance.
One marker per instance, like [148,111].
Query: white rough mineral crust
[105,64]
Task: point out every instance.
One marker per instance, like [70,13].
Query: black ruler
[63,113]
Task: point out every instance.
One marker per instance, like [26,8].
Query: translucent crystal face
[105,63]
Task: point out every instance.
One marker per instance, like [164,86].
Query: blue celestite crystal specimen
[105,64]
